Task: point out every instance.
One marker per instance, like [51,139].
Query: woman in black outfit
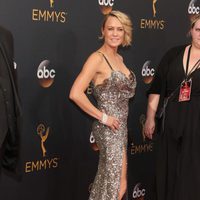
[178,145]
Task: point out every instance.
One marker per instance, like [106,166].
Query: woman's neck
[109,50]
[195,50]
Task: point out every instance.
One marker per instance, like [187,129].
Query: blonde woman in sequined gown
[114,84]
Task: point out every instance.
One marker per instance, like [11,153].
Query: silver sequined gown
[112,97]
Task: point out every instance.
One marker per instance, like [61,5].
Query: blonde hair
[126,23]
[194,19]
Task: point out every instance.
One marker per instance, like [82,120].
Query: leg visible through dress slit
[123,180]
[107,182]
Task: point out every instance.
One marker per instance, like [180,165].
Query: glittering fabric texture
[112,98]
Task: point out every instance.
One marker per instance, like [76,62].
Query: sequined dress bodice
[113,94]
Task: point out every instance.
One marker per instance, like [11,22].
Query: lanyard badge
[186,85]
[185,90]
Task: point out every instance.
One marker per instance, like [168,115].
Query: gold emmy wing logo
[49,14]
[154,7]
[143,146]
[43,133]
[46,162]
[51,3]
[155,22]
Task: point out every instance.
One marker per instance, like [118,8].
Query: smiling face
[113,32]
[195,33]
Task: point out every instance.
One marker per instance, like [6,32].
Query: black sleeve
[7,41]
[159,80]
[9,44]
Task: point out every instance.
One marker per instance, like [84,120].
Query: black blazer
[10,110]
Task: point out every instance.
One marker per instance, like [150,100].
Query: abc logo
[193,10]
[106,2]
[106,6]
[89,89]
[138,193]
[45,75]
[93,142]
[15,65]
[147,72]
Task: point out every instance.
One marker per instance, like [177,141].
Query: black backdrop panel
[52,41]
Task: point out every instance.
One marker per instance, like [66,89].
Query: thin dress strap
[106,60]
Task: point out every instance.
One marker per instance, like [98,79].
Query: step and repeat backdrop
[52,41]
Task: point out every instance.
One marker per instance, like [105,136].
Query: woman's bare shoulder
[95,59]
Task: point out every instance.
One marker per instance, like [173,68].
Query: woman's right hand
[113,123]
[149,127]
